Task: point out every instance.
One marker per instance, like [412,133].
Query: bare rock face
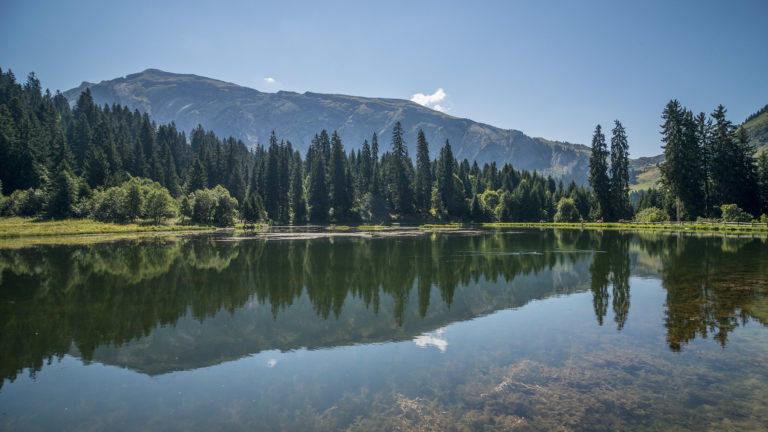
[251,115]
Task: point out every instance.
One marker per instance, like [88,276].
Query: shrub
[160,205]
[732,213]
[651,214]
[567,211]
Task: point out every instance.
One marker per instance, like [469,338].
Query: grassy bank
[14,227]
[728,228]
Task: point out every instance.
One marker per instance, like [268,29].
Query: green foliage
[160,205]
[732,213]
[651,214]
[598,174]
[566,211]
[213,206]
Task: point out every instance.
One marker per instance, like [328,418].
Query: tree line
[710,169]
[111,163]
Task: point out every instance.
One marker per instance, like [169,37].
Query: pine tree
[620,172]
[340,199]
[400,185]
[423,175]
[762,181]
[62,193]
[298,204]
[197,179]
[445,186]
[598,172]
[366,169]
[317,196]
[272,180]
[681,170]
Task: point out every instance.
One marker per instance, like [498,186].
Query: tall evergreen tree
[598,172]
[272,180]
[762,181]
[298,204]
[340,199]
[423,175]
[446,193]
[400,185]
[317,194]
[197,178]
[620,172]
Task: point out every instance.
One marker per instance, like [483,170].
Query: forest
[112,164]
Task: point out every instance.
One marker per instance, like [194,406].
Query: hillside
[757,129]
[251,115]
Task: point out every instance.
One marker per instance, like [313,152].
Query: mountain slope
[757,129]
[251,115]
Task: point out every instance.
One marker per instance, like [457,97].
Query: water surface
[498,330]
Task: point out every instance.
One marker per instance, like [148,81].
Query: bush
[567,211]
[732,213]
[160,205]
[213,206]
[27,203]
[651,214]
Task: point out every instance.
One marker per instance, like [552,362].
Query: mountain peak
[250,115]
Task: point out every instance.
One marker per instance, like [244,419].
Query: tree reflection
[713,283]
[59,298]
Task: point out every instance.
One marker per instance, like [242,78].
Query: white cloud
[270,80]
[271,363]
[431,339]
[431,100]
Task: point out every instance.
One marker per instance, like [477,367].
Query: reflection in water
[56,299]
[714,284]
[89,298]
[167,305]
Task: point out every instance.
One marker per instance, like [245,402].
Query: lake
[474,330]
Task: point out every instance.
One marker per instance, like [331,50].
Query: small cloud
[431,339]
[271,363]
[431,100]
[269,80]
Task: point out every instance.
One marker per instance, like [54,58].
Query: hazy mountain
[251,115]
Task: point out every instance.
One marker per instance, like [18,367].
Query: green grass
[13,227]
[338,228]
[374,228]
[449,226]
[756,228]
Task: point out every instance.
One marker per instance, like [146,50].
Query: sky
[551,69]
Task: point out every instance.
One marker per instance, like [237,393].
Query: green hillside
[757,129]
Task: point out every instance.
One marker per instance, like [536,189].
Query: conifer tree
[445,185]
[423,175]
[272,180]
[620,172]
[197,179]
[340,200]
[400,186]
[598,172]
[317,194]
[298,204]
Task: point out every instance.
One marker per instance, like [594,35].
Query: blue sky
[550,69]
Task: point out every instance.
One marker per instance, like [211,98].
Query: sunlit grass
[26,227]
[338,228]
[374,227]
[449,226]
[744,228]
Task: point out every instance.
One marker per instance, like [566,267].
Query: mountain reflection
[163,305]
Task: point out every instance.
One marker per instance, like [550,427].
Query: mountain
[250,115]
[756,126]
